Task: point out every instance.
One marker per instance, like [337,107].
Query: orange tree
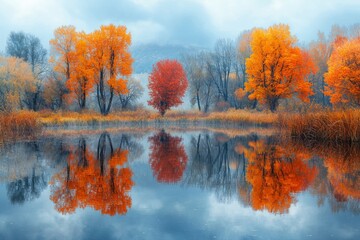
[100,59]
[111,62]
[167,84]
[276,68]
[81,81]
[62,50]
[343,76]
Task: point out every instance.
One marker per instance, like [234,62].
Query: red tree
[168,157]
[167,84]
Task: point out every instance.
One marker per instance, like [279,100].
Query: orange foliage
[101,57]
[240,93]
[167,84]
[63,46]
[342,164]
[87,181]
[344,176]
[81,81]
[343,76]
[277,69]
[168,157]
[111,61]
[275,175]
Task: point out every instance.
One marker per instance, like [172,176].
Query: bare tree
[221,65]
[201,84]
[135,91]
[30,49]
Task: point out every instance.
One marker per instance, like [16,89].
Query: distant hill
[147,55]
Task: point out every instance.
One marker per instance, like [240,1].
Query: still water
[176,184]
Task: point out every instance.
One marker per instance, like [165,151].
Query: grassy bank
[338,126]
[145,116]
[22,124]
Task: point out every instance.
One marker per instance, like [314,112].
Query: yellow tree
[16,79]
[81,81]
[343,76]
[111,62]
[277,69]
[62,49]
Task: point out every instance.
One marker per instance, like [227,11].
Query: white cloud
[185,22]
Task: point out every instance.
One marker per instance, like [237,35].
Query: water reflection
[100,181]
[338,181]
[275,175]
[167,158]
[26,175]
[267,174]
[260,172]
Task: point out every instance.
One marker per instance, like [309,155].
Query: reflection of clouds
[161,211]
[304,219]
[40,221]
[151,205]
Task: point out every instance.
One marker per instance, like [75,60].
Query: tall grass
[147,116]
[340,126]
[22,124]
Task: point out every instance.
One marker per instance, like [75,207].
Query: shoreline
[324,126]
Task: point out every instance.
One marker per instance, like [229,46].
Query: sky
[184,22]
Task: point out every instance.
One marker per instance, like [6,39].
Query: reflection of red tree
[85,182]
[168,157]
[275,176]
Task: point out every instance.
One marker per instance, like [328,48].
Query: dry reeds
[147,116]
[22,124]
[339,126]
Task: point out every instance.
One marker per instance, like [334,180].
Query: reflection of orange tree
[344,177]
[341,161]
[275,175]
[168,157]
[87,181]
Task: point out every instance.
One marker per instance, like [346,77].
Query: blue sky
[186,22]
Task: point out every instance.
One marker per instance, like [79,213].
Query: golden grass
[338,126]
[22,124]
[320,126]
[146,116]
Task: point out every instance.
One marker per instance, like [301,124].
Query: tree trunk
[273,104]
[198,100]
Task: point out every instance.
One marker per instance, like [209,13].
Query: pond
[178,184]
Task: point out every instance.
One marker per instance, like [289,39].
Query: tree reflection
[215,165]
[339,178]
[24,172]
[100,181]
[275,175]
[27,188]
[167,157]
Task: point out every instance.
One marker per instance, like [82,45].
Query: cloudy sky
[188,22]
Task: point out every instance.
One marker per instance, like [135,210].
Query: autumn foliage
[100,60]
[102,182]
[343,76]
[275,175]
[277,69]
[167,85]
[167,158]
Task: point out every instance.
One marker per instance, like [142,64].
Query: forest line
[264,69]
